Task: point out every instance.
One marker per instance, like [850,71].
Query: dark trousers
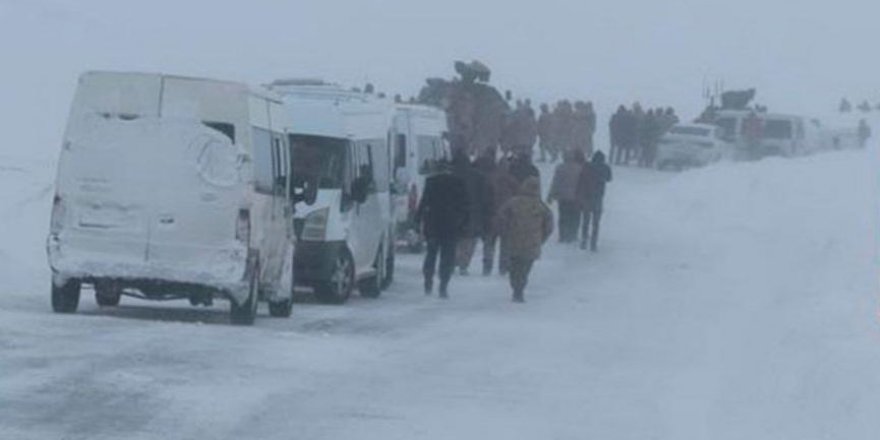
[569,220]
[519,274]
[445,248]
[592,217]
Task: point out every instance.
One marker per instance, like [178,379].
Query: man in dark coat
[479,205]
[442,215]
[591,189]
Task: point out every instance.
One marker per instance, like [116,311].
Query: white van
[418,137]
[340,140]
[783,135]
[691,145]
[170,188]
[790,135]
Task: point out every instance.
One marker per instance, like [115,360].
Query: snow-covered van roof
[131,95]
[328,110]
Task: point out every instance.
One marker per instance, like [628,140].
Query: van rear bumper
[222,269]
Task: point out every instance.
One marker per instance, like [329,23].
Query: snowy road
[728,303]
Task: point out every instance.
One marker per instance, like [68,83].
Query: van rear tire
[246,312]
[65,299]
[281,309]
[338,288]
[372,287]
[107,294]
[388,279]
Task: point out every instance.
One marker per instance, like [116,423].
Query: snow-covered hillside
[738,301]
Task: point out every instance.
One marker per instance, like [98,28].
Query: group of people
[635,133]
[567,127]
[478,198]
[498,202]
[864,107]
[579,188]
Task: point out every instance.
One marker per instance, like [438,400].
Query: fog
[802,57]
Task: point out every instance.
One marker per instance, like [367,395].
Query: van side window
[264,161]
[223,127]
[280,163]
[373,161]
[430,151]
[400,151]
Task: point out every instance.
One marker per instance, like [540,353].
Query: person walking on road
[525,223]
[864,133]
[479,208]
[545,130]
[502,186]
[564,190]
[442,215]
[591,189]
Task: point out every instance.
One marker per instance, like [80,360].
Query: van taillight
[413,198]
[243,226]
[57,215]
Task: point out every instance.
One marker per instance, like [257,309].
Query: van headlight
[315,225]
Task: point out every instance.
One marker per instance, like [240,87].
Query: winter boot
[518,296]
[429,285]
[444,294]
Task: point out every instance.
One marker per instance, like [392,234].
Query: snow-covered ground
[733,302]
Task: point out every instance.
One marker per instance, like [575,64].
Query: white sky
[803,56]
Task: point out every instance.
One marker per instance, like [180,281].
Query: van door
[196,186]
[366,224]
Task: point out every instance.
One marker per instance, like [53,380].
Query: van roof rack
[300,82]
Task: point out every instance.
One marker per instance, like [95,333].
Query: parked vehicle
[782,134]
[692,145]
[340,140]
[170,188]
[418,139]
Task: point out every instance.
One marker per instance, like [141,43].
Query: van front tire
[65,298]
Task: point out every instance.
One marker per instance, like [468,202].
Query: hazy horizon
[802,58]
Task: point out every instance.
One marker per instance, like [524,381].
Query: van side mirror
[309,193]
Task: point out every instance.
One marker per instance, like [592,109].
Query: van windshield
[318,157]
[777,129]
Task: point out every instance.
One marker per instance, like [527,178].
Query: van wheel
[372,287]
[65,299]
[246,312]
[281,309]
[107,293]
[338,289]
[389,269]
